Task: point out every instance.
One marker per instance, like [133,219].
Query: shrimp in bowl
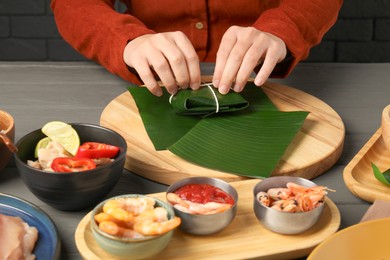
[133,225]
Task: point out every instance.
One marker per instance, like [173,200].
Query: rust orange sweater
[100,33]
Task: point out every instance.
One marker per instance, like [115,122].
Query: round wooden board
[253,239]
[315,148]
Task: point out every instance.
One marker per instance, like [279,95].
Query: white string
[212,91]
[215,97]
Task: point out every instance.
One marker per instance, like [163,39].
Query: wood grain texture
[315,148]
[358,174]
[244,238]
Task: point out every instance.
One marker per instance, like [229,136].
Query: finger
[147,78]
[250,61]
[268,66]
[177,66]
[161,66]
[228,42]
[232,66]
[191,76]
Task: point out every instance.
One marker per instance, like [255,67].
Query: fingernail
[237,88]
[174,91]
[216,83]
[223,89]
[158,92]
[259,81]
[195,86]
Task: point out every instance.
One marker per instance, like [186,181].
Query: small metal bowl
[198,224]
[284,222]
[128,248]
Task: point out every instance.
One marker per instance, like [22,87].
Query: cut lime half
[41,144]
[64,134]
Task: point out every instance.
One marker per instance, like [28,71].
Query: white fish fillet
[17,239]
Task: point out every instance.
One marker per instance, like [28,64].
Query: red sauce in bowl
[203,193]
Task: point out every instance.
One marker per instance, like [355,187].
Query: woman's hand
[240,51]
[171,55]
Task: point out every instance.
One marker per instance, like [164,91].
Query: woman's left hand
[240,51]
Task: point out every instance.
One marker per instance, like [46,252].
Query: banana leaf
[164,126]
[161,122]
[206,101]
[248,142]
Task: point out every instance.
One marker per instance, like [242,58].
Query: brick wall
[361,34]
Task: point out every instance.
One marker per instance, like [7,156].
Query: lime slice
[64,134]
[41,144]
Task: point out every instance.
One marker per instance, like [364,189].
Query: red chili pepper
[71,164]
[93,150]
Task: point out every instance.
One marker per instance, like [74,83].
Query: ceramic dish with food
[71,191]
[133,226]
[48,244]
[205,205]
[288,205]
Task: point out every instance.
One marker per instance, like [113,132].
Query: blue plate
[48,245]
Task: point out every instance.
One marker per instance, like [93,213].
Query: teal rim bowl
[128,247]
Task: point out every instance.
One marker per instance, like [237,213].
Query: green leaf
[164,126]
[161,122]
[206,101]
[382,177]
[248,142]
[248,145]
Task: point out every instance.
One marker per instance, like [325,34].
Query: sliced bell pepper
[93,150]
[71,164]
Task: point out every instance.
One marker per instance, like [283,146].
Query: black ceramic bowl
[72,191]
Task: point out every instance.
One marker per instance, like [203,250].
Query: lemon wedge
[41,144]
[64,134]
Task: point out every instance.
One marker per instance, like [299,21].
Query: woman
[167,39]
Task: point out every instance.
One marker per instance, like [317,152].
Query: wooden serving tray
[244,238]
[315,148]
[359,176]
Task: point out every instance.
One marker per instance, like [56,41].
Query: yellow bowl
[367,240]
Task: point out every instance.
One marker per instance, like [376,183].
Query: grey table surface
[38,92]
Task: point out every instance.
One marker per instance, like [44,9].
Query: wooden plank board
[244,238]
[359,176]
[316,147]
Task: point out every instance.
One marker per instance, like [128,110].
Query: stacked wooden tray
[358,174]
[244,238]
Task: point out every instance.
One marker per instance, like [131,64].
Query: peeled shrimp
[197,208]
[152,228]
[134,218]
[158,214]
[114,229]
[117,209]
[100,217]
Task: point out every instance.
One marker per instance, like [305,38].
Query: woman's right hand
[171,55]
